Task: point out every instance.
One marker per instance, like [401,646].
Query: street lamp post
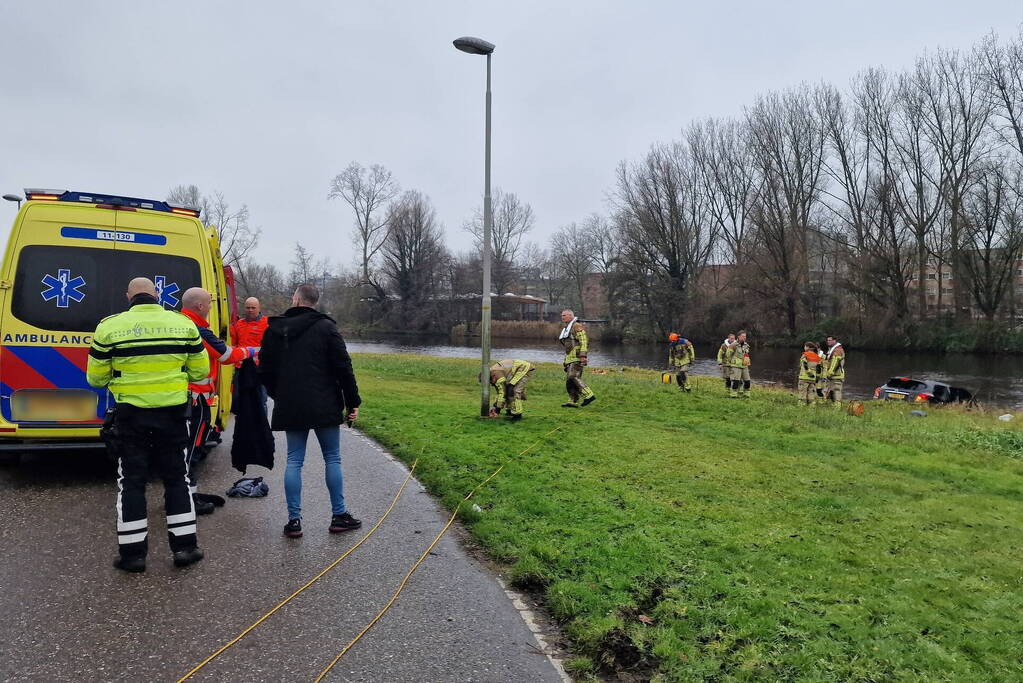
[477,46]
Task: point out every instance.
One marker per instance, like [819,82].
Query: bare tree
[367,191]
[958,113]
[307,268]
[266,282]
[552,278]
[574,247]
[729,181]
[513,219]
[865,199]
[413,257]
[668,237]
[993,235]
[607,261]
[237,238]
[529,266]
[1002,72]
[786,139]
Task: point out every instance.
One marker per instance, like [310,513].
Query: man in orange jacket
[248,331]
[195,304]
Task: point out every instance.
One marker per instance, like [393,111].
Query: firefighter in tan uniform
[573,339]
[833,372]
[726,372]
[681,355]
[509,378]
[810,366]
[738,361]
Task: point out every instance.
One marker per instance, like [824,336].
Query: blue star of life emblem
[63,288]
[165,291]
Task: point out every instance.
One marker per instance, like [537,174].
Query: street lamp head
[474,46]
[12,197]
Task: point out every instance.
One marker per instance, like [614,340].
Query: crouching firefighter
[196,303]
[681,355]
[146,357]
[509,378]
[573,339]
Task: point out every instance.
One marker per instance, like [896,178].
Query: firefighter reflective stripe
[182,524]
[124,539]
[681,355]
[809,369]
[131,526]
[143,366]
[499,385]
[577,343]
[146,356]
[834,367]
[233,354]
[722,353]
[163,387]
[519,371]
[736,354]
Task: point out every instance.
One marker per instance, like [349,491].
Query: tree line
[878,207]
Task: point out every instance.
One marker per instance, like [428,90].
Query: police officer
[146,357]
[573,339]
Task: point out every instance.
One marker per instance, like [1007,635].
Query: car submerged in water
[921,391]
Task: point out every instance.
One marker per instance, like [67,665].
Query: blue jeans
[330,445]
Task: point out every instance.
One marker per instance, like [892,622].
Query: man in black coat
[307,371]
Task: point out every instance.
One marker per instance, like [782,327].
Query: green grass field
[694,537]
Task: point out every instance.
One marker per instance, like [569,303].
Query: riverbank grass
[696,537]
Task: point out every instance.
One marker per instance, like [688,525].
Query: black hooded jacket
[307,371]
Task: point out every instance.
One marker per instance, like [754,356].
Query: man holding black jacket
[307,371]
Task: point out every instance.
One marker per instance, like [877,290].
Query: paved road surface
[67,614]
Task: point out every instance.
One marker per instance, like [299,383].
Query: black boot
[183,558]
[134,565]
[202,507]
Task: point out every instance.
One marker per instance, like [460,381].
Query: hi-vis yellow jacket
[146,356]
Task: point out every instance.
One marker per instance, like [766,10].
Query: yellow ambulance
[69,258]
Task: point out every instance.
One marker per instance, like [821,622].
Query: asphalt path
[67,614]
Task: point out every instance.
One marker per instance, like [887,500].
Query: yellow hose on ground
[423,557]
[311,581]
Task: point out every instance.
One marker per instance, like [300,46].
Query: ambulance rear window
[70,289]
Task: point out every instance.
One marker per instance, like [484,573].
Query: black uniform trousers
[145,440]
[198,431]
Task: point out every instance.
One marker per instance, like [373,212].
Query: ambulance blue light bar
[109,201]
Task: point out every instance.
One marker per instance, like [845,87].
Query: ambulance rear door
[165,248]
[56,288]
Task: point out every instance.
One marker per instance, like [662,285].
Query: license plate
[896,396]
[59,405]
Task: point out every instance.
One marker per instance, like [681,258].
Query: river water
[994,379]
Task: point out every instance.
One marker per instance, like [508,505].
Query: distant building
[507,306]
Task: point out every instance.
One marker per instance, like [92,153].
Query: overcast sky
[266,102]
